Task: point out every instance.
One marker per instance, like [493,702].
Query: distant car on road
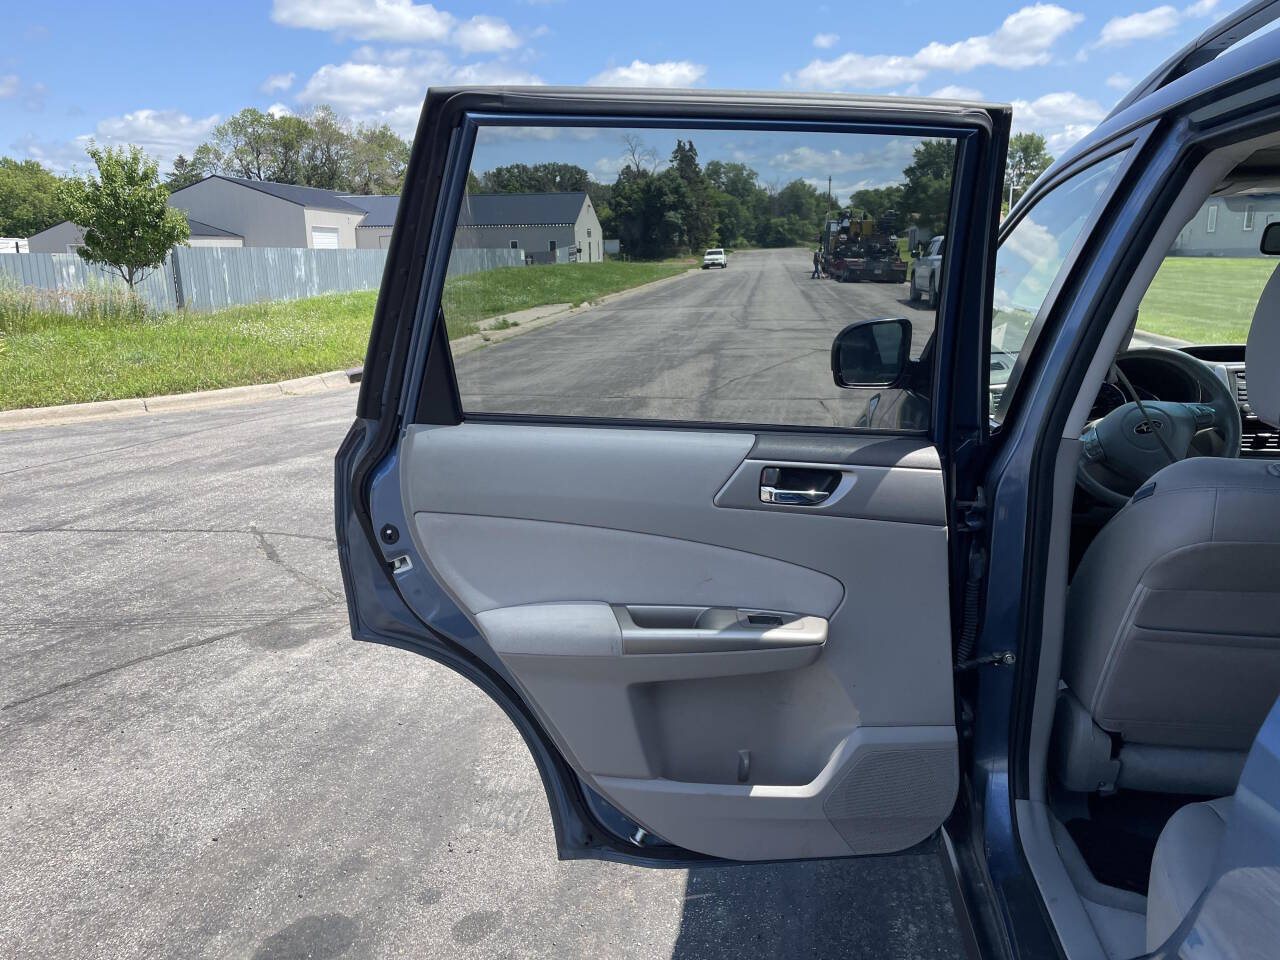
[715,257]
[928,272]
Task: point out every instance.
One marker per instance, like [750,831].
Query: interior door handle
[805,498]
[796,486]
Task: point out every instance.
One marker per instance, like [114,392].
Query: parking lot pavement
[197,761]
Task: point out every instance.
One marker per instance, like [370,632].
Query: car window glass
[696,275]
[1209,282]
[1028,262]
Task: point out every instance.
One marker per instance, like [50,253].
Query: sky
[162,74]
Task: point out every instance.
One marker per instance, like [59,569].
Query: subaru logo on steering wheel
[1143,427]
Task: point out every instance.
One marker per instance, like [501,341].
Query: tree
[1028,158]
[128,223]
[926,195]
[536,178]
[327,157]
[184,174]
[876,202]
[698,218]
[29,198]
[379,159]
[245,144]
[289,138]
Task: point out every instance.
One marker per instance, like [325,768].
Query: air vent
[1242,389]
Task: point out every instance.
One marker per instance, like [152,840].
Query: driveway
[197,761]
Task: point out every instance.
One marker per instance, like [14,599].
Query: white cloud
[1156,22]
[278,82]
[1118,81]
[483,34]
[825,41]
[400,20]
[856,71]
[892,154]
[391,89]
[668,73]
[954,92]
[162,134]
[8,85]
[1062,117]
[1024,39]
[1119,31]
[279,110]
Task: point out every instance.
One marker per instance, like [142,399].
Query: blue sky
[161,74]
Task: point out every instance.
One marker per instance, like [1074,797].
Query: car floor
[1106,844]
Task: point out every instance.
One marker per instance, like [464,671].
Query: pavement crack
[179,648]
[273,555]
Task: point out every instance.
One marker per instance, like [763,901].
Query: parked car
[1020,616]
[926,274]
[714,257]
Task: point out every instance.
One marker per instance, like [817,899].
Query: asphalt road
[751,343]
[197,761]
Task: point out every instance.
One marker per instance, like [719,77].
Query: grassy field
[1204,299]
[103,352]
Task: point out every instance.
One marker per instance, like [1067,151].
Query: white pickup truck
[926,276]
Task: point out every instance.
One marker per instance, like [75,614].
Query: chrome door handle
[802,498]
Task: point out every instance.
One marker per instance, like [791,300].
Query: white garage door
[324,238]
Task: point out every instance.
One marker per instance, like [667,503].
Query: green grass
[476,296]
[109,349]
[1204,299]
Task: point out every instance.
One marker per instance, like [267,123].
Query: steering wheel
[1123,449]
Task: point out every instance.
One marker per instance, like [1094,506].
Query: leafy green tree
[289,138]
[124,210]
[1028,158]
[536,178]
[876,202]
[327,157]
[698,219]
[29,198]
[245,144]
[379,159]
[926,195]
[184,174]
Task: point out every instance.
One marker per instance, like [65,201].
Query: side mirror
[1271,240]
[871,353]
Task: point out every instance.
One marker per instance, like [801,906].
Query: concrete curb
[136,407]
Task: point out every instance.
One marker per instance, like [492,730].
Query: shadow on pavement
[880,907]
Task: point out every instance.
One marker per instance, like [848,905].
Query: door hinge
[1002,658]
[970,516]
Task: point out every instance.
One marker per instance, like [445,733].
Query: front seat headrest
[1262,355]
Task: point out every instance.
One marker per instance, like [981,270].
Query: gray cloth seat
[1183,865]
[1172,643]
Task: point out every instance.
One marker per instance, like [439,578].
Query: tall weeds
[25,309]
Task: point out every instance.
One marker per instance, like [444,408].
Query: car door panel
[701,663]
[544,534]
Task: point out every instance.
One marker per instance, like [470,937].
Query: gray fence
[66,272]
[465,260]
[210,278]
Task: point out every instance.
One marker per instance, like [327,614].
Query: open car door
[709,582]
